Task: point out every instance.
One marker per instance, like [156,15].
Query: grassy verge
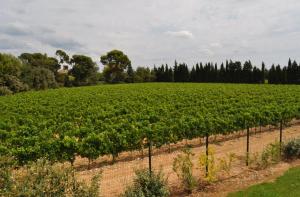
[286,185]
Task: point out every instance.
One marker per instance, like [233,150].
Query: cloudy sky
[156,31]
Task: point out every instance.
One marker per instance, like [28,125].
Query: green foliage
[115,63]
[130,74]
[209,160]
[286,185]
[291,150]
[5,91]
[43,179]
[148,185]
[10,71]
[39,78]
[10,65]
[270,155]
[69,148]
[6,181]
[84,70]
[63,56]
[92,146]
[13,83]
[143,75]
[183,167]
[121,116]
[225,164]
[38,60]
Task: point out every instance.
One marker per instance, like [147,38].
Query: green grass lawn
[286,185]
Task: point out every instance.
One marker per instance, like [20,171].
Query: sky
[155,32]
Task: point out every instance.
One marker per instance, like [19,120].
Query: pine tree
[289,72]
[247,72]
[198,73]
[130,74]
[176,74]
[294,73]
[222,74]
[263,73]
[193,77]
[272,75]
[279,75]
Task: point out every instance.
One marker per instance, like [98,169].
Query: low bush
[270,155]
[43,179]
[5,91]
[210,162]
[225,164]
[183,167]
[148,185]
[291,150]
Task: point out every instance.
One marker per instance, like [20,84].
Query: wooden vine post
[280,136]
[247,154]
[206,162]
[148,143]
[150,156]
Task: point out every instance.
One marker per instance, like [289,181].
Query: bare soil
[117,176]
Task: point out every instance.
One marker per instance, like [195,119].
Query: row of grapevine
[95,121]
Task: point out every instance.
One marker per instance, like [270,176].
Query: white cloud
[180,34]
[216,45]
[155,32]
[208,52]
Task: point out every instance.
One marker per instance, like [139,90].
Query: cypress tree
[271,76]
[193,75]
[222,74]
[263,73]
[198,73]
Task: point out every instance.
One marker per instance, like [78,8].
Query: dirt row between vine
[117,176]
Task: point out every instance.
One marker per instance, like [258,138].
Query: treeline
[287,75]
[39,71]
[231,72]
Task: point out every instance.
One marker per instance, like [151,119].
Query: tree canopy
[115,63]
[84,70]
[40,71]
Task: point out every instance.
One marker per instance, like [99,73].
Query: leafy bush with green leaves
[148,184]
[291,150]
[13,83]
[39,122]
[209,160]
[225,163]
[5,91]
[6,182]
[183,166]
[270,155]
[43,179]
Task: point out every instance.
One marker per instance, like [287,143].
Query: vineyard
[106,120]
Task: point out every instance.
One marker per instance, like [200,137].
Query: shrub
[5,91]
[209,161]
[291,150]
[225,164]
[42,179]
[183,167]
[148,185]
[14,84]
[3,150]
[39,78]
[6,182]
[270,155]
